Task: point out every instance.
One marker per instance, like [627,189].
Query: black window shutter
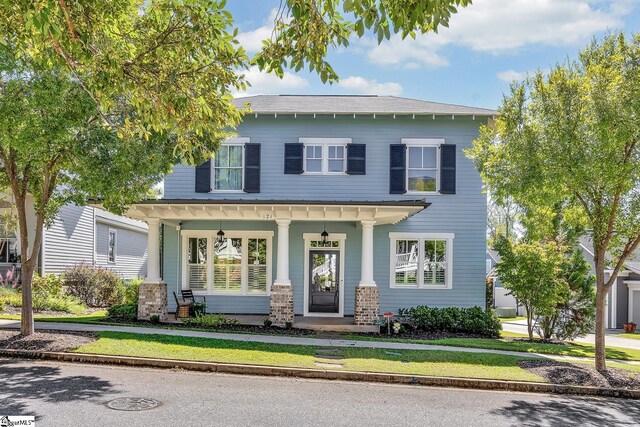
[203,177]
[398,173]
[293,158]
[356,159]
[252,168]
[448,169]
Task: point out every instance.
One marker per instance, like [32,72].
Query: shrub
[47,295]
[267,322]
[10,279]
[10,296]
[472,320]
[154,318]
[95,286]
[127,291]
[210,320]
[123,311]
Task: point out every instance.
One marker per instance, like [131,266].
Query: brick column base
[152,299]
[367,305]
[281,304]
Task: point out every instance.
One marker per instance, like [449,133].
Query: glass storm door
[324,281]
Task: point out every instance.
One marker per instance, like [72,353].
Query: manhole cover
[132,404]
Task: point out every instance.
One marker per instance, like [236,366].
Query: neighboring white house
[83,234]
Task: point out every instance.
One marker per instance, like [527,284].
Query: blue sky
[471,63]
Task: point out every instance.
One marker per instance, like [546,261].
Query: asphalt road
[61,394]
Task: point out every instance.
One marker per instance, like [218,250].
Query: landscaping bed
[46,341]
[584,375]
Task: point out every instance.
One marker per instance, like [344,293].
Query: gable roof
[354,104]
[632,262]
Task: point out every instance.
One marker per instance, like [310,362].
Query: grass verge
[440,363]
[96,316]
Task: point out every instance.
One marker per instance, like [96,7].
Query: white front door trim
[308,237]
[634,286]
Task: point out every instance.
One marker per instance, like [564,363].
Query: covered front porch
[288,261]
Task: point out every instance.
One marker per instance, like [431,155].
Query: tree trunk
[601,309]
[26,322]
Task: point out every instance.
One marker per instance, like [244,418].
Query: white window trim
[424,142]
[448,237]
[325,143]
[115,245]
[231,141]
[211,235]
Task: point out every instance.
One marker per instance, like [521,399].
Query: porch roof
[173,210]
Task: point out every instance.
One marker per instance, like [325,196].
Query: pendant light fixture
[325,235]
[220,234]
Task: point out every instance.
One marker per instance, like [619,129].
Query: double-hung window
[325,156]
[8,250]
[239,264]
[423,165]
[228,167]
[421,260]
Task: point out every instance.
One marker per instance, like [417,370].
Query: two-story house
[325,206]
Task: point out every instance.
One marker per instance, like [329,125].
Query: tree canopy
[568,140]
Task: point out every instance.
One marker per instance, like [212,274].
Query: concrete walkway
[276,339]
[612,339]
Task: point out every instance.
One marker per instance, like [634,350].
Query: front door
[324,281]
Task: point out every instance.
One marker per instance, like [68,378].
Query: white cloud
[357,84]
[252,40]
[498,26]
[266,84]
[511,75]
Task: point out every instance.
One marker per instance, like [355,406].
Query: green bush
[127,291]
[472,320]
[210,320]
[123,311]
[47,294]
[95,286]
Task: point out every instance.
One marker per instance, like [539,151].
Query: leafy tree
[177,61]
[54,150]
[571,138]
[531,273]
[502,219]
[574,316]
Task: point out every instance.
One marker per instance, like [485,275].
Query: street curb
[230,368]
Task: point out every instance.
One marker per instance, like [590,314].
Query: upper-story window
[325,156]
[228,168]
[423,165]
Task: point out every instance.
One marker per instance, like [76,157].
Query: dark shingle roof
[353,104]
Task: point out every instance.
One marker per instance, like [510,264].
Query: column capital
[154,221]
[368,223]
[283,222]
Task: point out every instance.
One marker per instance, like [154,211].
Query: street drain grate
[132,403]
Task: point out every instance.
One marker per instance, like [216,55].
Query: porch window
[197,263]
[421,261]
[228,168]
[227,265]
[240,263]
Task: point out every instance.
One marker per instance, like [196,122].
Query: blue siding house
[325,206]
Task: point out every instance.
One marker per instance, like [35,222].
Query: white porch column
[153,251]
[366,266]
[282,270]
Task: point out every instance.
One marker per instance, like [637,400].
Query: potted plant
[630,328]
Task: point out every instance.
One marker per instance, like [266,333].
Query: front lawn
[440,363]
[95,317]
[567,349]
[633,336]
[511,319]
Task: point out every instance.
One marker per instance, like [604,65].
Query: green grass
[634,336]
[441,363]
[511,319]
[567,349]
[96,316]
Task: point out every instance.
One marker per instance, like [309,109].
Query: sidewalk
[520,326]
[271,339]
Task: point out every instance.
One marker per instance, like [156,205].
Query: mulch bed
[417,335]
[584,375]
[45,341]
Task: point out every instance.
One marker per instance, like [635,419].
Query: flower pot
[630,328]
